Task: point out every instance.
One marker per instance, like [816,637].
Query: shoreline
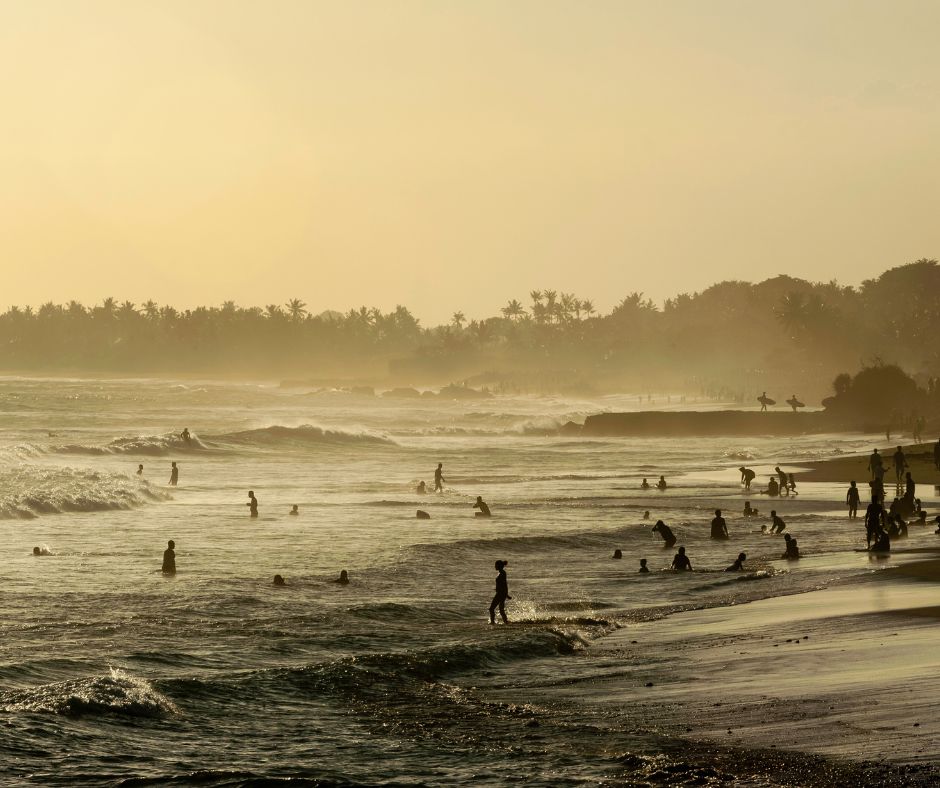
[855,467]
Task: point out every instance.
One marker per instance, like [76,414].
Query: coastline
[846,468]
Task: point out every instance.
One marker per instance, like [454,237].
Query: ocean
[113,674]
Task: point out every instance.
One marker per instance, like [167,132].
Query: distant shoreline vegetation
[784,334]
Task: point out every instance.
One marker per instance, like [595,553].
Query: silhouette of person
[681,562]
[852,498]
[343,578]
[882,542]
[169,559]
[875,465]
[643,568]
[41,551]
[174,474]
[420,514]
[439,478]
[763,401]
[777,523]
[874,519]
[294,510]
[900,463]
[278,581]
[783,480]
[618,553]
[773,489]
[738,564]
[748,511]
[792,485]
[252,504]
[502,593]
[661,484]
[669,538]
[140,469]
[936,455]
[422,488]
[481,505]
[646,515]
[793,551]
[747,476]
[187,438]
[794,403]
[645,485]
[719,526]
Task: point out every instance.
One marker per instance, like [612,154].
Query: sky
[452,155]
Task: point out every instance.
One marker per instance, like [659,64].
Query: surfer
[794,403]
[645,485]
[738,564]
[643,567]
[343,578]
[681,562]
[661,484]
[294,510]
[481,505]
[439,478]
[764,401]
[874,519]
[502,593]
[169,559]
[719,526]
[748,511]
[851,499]
[747,476]
[174,474]
[140,469]
[900,463]
[187,438]
[777,523]
[669,538]
[252,504]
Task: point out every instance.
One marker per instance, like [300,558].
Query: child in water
[643,567]
[294,510]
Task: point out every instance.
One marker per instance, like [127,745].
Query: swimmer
[140,469]
[40,551]
[792,552]
[749,511]
[481,505]
[187,438]
[778,525]
[169,559]
[646,515]
[618,554]
[343,578]
[738,564]
[294,510]
[502,593]
[439,478]
[174,474]
[669,538]
[661,484]
[645,485]
[719,526]
[747,476]
[421,489]
[278,581]
[252,504]
[681,562]
[643,568]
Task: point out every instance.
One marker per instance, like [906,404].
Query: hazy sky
[451,155]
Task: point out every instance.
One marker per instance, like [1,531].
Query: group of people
[785,486]
[660,485]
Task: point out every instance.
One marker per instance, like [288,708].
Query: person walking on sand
[439,478]
[875,465]
[852,499]
[252,504]
[169,559]
[174,474]
[502,593]
[900,463]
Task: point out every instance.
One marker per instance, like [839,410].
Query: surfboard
[795,403]
[766,401]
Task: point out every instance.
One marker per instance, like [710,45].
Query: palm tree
[551,307]
[458,319]
[151,310]
[297,309]
[587,306]
[513,310]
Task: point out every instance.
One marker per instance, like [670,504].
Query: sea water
[112,673]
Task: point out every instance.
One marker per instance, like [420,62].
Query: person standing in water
[174,474]
[140,469]
[661,484]
[777,523]
[669,538]
[719,526]
[439,478]
[874,519]
[852,499]
[169,559]
[252,504]
[900,463]
[502,593]
[747,476]
[644,569]
[875,465]
[681,562]
[481,505]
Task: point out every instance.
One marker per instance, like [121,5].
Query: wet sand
[847,468]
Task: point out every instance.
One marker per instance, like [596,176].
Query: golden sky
[452,155]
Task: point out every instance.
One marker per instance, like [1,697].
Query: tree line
[732,337]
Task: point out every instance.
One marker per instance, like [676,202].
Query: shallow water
[110,671]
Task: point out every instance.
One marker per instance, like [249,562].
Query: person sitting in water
[646,515]
[645,485]
[661,484]
[937,521]
[618,553]
[169,559]
[252,504]
[294,510]
[773,489]
[140,469]
[278,581]
[882,542]
[738,564]
[778,525]
[421,489]
[763,529]
[793,551]
[643,568]
[481,505]
[343,578]
[669,538]
[921,518]
[187,438]
[749,511]
[681,562]
[747,476]
[719,526]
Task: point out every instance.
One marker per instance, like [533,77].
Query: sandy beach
[847,468]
